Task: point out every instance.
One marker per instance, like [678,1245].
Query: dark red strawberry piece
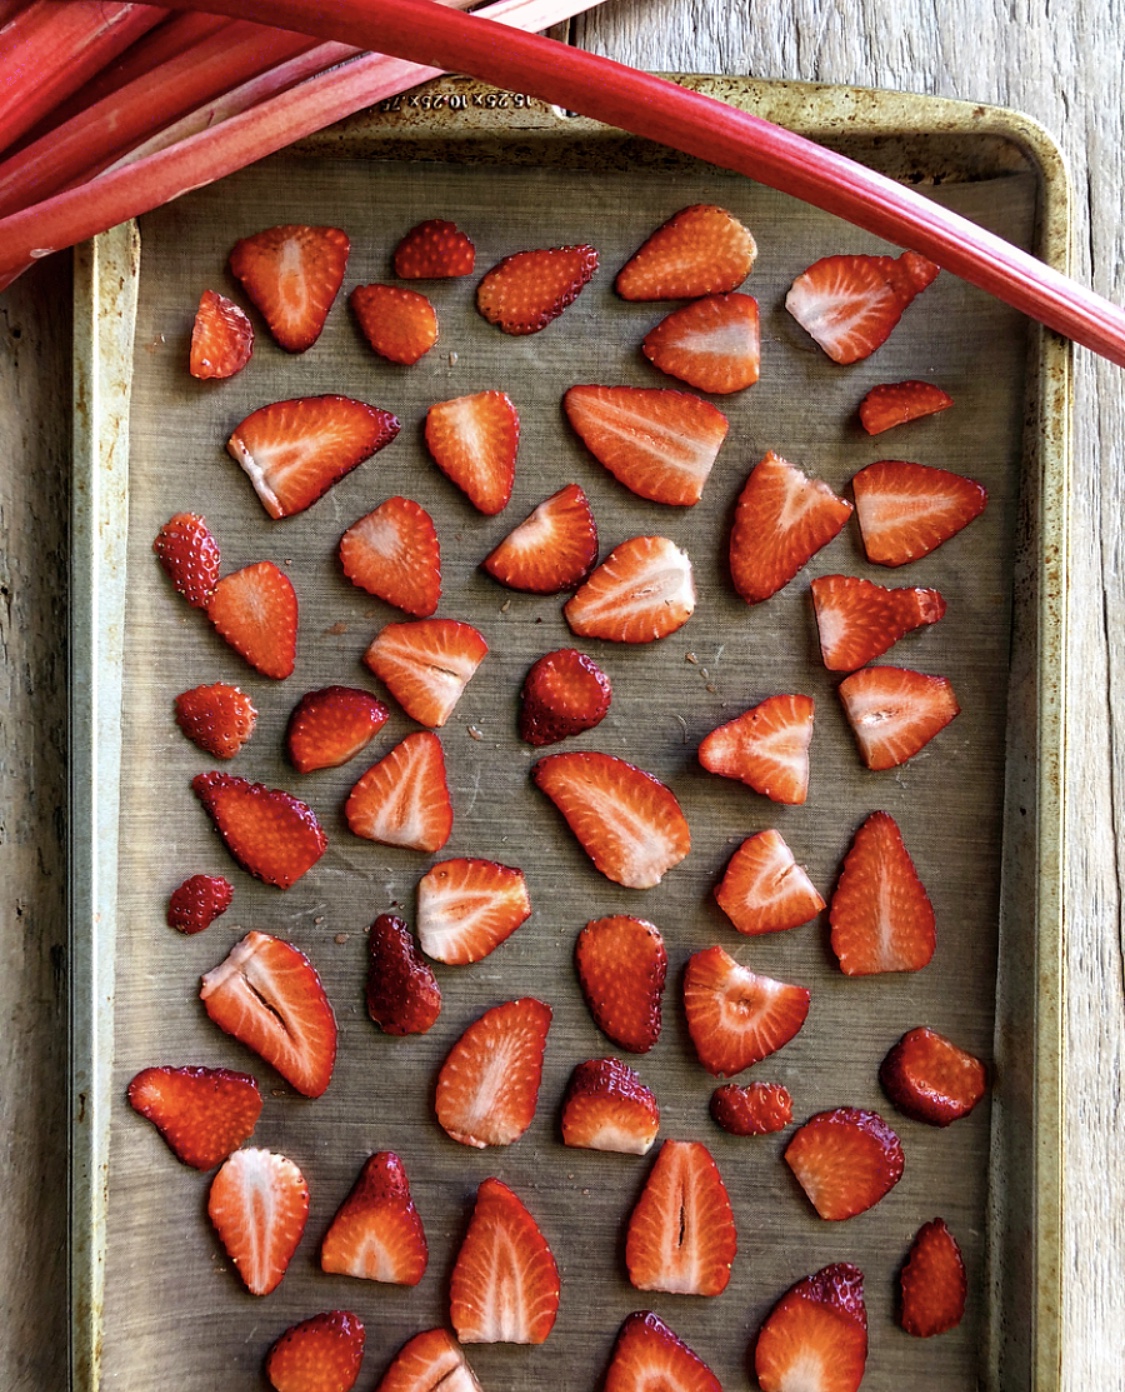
[203,1113]
[564,693]
[622,966]
[735,1016]
[400,325]
[376,1233]
[932,1283]
[607,1107]
[468,907]
[882,919]
[218,718]
[198,902]
[432,1361]
[907,510]
[642,591]
[758,1109]
[766,748]
[930,1079]
[330,726]
[648,1355]
[713,344]
[474,441]
[259,1205]
[701,250]
[321,1354]
[488,1086]
[894,712]
[222,338]
[764,890]
[292,274]
[190,557]
[523,293]
[426,665]
[255,611]
[394,554]
[815,1337]
[553,549]
[858,620]
[845,1160]
[434,250]
[897,403]
[273,835]
[403,996]
[850,304]
[681,1235]
[403,800]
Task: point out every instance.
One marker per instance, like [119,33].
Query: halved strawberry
[607,1107]
[523,293]
[488,1086]
[642,591]
[198,902]
[815,1337]
[907,510]
[474,441]
[858,620]
[897,403]
[781,520]
[292,274]
[190,557]
[403,996]
[850,304]
[660,443]
[735,1016]
[434,250]
[894,712]
[764,890]
[321,1354]
[400,325]
[564,693]
[713,344]
[758,1109]
[505,1283]
[701,250]
[294,451]
[426,665]
[259,1205]
[202,1113]
[845,1160]
[376,1233]
[218,718]
[767,748]
[273,835]
[681,1235]
[403,800]
[648,1355]
[932,1283]
[255,611]
[553,549]
[394,554]
[882,919]
[330,726]
[931,1079]
[622,966]
[432,1361]
[467,908]
[627,821]
[222,338]
[267,994]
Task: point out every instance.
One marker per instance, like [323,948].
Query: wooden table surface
[1061,63]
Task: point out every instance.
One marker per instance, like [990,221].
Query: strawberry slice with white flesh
[553,549]
[713,344]
[393,553]
[641,592]
[906,510]
[622,967]
[881,916]
[701,250]
[735,1016]
[267,994]
[858,620]
[259,1205]
[426,665]
[403,800]
[488,1087]
[845,1160]
[377,1234]
[274,836]
[767,748]
[432,1361]
[895,712]
[607,1107]
[649,1357]
[681,1235]
[850,304]
[468,907]
[764,890]
[661,444]
[505,1283]
[627,821]
[292,274]
[815,1337]
[474,441]
[255,611]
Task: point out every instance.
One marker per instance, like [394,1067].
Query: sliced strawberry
[403,996]
[622,966]
[203,1113]
[661,444]
[701,250]
[400,325]
[766,748]
[736,1017]
[713,344]
[642,591]
[758,1109]
[488,1086]
[434,250]
[294,451]
[564,693]
[426,665]
[553,549]
[505,1284]
[764,890]
[467,908]
[218,718]
[930,1079]
[628,822]
[894,712]
[273,835]
[523,293]
[394,554]
[376,1233]
[907,510]
[190,557]
[815,1337]
[268,995]
[932,1283]
[781,520]
[858,620]
[681,1235]
[255,611]
[432,1361]
[259,1204]
[474,441]
[321,1354]
[845,1160]
[647,1356]
[607,1107]
[330,726]
[198,902]
[222,338]
[403,800]
[882,919]
[898,403]
[850,304]
[292,274]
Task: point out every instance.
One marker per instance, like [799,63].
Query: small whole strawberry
[564,693]
[190,557]
[198,902]
[218,718]
[321,1354]
[403,996]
